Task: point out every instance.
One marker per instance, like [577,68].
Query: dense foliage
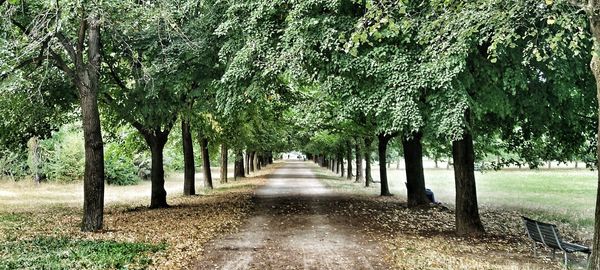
[472,80]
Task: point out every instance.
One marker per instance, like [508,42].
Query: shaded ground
[298,223]
[296,226]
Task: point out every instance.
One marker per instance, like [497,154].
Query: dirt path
[295,226]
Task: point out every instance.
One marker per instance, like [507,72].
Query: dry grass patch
[183,228]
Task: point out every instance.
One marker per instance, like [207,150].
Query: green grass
[568,196]
[63,253]
[556,195]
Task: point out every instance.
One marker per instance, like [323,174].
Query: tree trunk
[224,163]
[252,159]
[158,198]
[333,163]
[239,164]
[247,163]
[342,169]
[189,187]
[349,158]
[34,159]
[594,260]
[257,158]
[358,153]
[398,163]
[87,85]
[415,179]
[368,177]
[206,163]
[270,159]
[435,161]
[467,212]
[382,149]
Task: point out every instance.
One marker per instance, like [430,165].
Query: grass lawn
[564,196]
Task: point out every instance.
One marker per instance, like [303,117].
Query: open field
[25,195]
[564,195]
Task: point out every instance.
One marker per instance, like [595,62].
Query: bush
[63,156]
[13,164]
[118,168]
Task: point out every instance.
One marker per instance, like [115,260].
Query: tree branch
[81,38]
[67,45]
[113,73]
[59,63]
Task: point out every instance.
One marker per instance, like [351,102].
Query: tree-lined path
[296,226]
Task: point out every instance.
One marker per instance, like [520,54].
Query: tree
[188,156]
[415,179]
[69,42]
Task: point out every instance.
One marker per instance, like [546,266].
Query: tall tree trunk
[383,140]
[239,164]
[224,163]
[189,170]
[468,221]
[158,198]
[34,159]
[257,158]
[247,163]
[594,261]
[206,163]
[358,153]
[415,179]
[333,164]
[252,159]
[87,84]
[342,169]
[349,158]
[368,177]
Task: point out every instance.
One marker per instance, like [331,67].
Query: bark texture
[224,163]
[594,261]
[252,157]
[383,140]
[358,153]
[239,164]
[206,163]
[86,80]
[468,221]
[189,170]
[368,177]
[415,179]
[349,158]
[247,163]
[159,194]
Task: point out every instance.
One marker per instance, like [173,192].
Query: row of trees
[462,78]
[136,63]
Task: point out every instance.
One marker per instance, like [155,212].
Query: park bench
[547,235]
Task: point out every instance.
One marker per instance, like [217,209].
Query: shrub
[63,156]
[118,168]
[13,164]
